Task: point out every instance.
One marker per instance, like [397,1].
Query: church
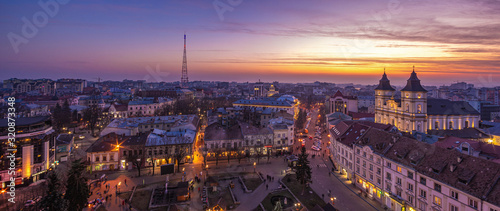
[413,111]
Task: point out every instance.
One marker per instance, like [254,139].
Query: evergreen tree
[303,170]
[77,190]
[54,200]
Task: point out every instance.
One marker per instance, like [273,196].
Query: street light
[254,165]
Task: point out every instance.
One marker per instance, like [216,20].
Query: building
[35,144]
[258,89]
[285,103]
[64,146]
[222,138]
[30,86]
[340,103]
[413,175]
[272,91]
[414,112]
[164,147]
[67,85]
[103,153]
[136,125]
[118,111]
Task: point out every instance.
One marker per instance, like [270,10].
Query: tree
[136,161]
[258,153]
[180,153]
[240,155]
[77,190]
[54,200]
[303,170]
[92,115]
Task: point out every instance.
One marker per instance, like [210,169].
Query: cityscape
[250,105]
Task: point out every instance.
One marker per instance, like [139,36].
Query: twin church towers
[415,112]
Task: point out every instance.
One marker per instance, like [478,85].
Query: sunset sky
[274,40]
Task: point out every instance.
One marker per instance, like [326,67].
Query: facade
[118,111]
[70,85]
[341,103]
[103,153]
[143,108]
[35,143]
[164,147]
[258,89]
[414,112]
[40,86]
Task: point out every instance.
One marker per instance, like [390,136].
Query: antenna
[184,78]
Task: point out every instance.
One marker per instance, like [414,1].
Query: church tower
[414,105]
[383,93]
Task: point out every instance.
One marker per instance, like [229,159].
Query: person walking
[267,186]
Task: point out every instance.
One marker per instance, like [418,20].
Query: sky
[338,41]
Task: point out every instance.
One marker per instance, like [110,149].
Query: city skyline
[335,41]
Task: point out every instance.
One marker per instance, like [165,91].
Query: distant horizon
[263,81]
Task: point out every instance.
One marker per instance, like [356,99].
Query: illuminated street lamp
[333,200]
[254,165]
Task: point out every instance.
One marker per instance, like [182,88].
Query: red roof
[357,115]
[338,94]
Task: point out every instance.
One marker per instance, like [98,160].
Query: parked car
[81,137]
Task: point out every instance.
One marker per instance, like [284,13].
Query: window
[364,173]
[371,157]
[410,199]
[410,174]
[364,163]
[379,171]
[407,106]
[357,160]
[419,108]
[398,192]
[450,125]
[357,151]
[410,187]
[437,187]
[388,187]
[453,207]
[364,154]
[398,180]
[379,181]
[388,176]
[436,125]
[140,152]
[371,167]
[124,153]
[422,206]
[466,124]
[371,176]
[97,158]
[437,201]
[454,195]
[423,194]
[399,169]
[111,157]
[357,170]
[388,165]
[423,181]
[473,203]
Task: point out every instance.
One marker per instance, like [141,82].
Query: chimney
[453,167]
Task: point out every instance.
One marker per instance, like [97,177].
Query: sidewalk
[375,204]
